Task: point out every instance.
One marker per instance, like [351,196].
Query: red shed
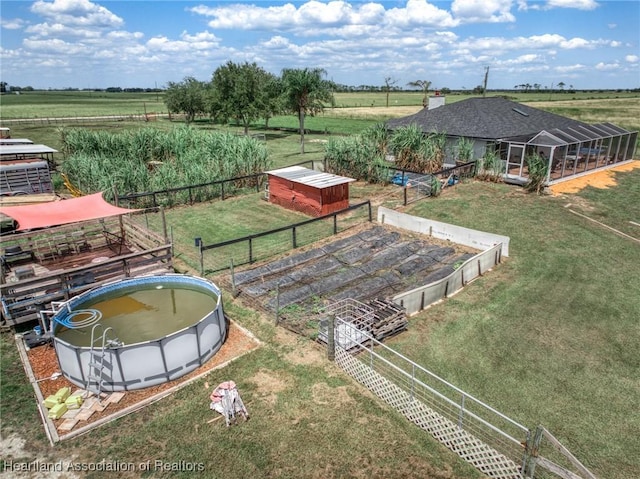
[312,192]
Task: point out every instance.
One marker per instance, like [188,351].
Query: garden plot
[375,263]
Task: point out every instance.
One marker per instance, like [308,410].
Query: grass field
[41,104]
[549,337]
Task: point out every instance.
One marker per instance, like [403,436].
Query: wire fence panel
[257,247]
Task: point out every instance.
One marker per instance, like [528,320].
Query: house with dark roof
[515,131]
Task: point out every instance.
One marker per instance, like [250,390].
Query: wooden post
[233,279]
[164,224]
[277,303]
[115,194]
[171,233]
[331,339]
[201,259]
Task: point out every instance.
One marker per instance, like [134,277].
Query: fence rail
[251,248]
[486,438]
[492,442]
[87,119]
[417,185]
[191,194]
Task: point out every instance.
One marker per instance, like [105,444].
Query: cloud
[604,67]
[54,45]
[77,13]
[486,11]
[12,24]
[188,44]
[550,4]
[632,58]
[547,42]
[334,17]
[578,67]
[577,4]
[419,13]
[58,29]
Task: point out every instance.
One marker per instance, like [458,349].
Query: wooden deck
[59,263]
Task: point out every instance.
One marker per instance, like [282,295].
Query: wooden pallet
[389,318]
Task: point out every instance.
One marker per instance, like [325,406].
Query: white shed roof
[25,149]
[15,141]
[305,176]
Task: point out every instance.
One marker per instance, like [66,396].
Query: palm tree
[306,92]
[424,85]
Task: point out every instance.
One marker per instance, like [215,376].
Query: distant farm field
[549,337]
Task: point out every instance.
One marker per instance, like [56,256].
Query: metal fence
[259,246]
[492,442]
[489,440]
[87,119]
[190,194]
[417,186]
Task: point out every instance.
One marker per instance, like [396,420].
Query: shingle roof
[487,118]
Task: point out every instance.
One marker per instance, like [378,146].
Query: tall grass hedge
[363,156]
[148,159]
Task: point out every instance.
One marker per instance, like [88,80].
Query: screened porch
[570,151]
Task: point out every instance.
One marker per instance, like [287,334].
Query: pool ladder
[101,340]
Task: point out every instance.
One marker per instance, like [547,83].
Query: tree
[305,92]
[238,91]
[424,85]
[273,91]
[388,83]
[3,86]
[188,97]
[561,85]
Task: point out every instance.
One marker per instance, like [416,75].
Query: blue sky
[97,44]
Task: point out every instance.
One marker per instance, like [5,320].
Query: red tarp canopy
[62,212]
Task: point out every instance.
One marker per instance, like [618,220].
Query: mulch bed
[44,363]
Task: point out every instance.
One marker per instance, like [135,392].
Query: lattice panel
[468,447]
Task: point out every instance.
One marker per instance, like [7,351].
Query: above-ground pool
[159,328]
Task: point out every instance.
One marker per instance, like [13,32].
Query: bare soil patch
[268,385]
[600,179]
[44,363]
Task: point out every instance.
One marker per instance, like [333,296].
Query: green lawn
[551,336]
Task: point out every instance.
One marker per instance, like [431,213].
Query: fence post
[531,452]
[164,224]
[370,213]
[331,339]
[335,224]
[461,413]
[171,233]
[250,250]
[201,259]
[277,303]
[222,191]
[293,237]
[404,188]
[233,279]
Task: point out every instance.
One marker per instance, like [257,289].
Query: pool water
[143,314]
